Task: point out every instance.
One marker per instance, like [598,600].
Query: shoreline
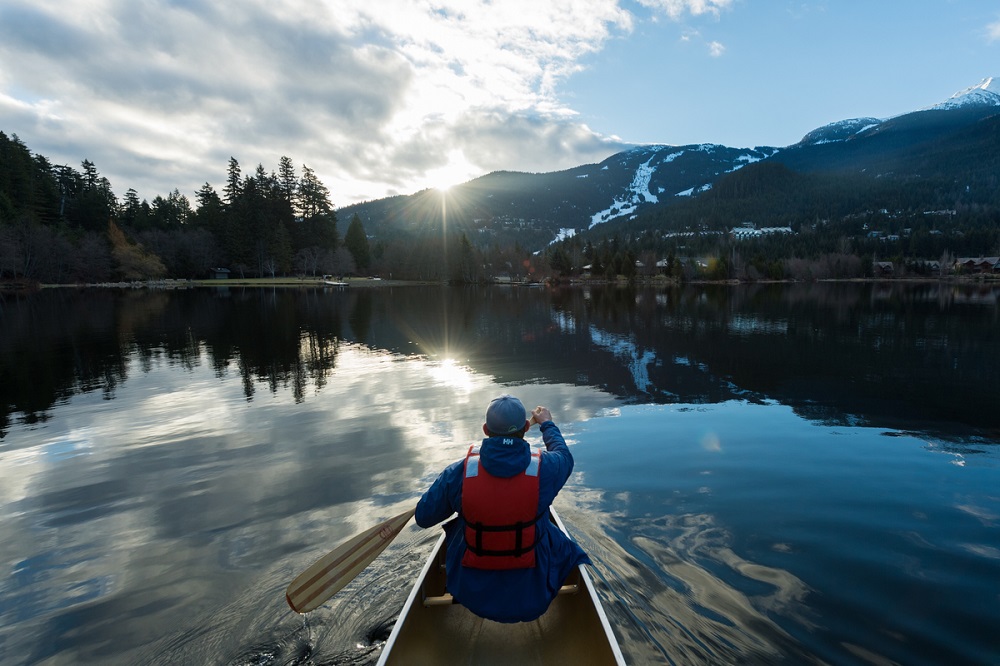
[378,283]
[345,283]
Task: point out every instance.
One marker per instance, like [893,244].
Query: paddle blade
[342,564]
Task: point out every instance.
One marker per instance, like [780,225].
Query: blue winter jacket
[514,595]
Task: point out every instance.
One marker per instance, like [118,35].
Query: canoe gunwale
[417,595]
[588,585]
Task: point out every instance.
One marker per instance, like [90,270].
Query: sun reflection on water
[451,375]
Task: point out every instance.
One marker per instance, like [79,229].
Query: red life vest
[500,515]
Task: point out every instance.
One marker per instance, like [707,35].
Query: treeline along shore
[63,225]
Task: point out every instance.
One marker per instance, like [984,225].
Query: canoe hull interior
[574,630]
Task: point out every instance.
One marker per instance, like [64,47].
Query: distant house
[218,274]
[927,266]
[748,230]
[883,268]
[978,264]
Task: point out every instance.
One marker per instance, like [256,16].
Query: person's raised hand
[540,415]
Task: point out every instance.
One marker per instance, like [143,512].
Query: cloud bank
[377,97]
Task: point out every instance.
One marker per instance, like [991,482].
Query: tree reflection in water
[921,354]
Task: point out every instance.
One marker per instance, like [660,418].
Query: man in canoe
[505,559]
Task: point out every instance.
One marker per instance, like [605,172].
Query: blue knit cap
[505,415]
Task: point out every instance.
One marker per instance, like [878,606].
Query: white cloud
[372,95]
[993,31]
[716,49]
[677,8]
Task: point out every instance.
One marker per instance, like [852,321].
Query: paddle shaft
[332,572]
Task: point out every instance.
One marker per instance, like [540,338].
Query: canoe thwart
[447,600]
[444,600]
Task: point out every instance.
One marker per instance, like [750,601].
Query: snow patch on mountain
[671,157]
[743,160]
[839,131]
[748,159]
[640,183]
[563,235]
[984,93]
[637,193]
[694,190]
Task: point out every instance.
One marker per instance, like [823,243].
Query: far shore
[339,283]
[375,282]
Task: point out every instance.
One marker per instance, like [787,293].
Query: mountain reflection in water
[780,473]
[840,352]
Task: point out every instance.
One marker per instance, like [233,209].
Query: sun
[446,178]
[455,171]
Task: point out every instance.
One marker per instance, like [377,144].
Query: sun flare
[455,171]
[453,375]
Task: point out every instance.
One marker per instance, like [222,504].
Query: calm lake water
[771,474]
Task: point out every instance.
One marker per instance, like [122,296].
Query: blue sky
[389,97]
[780,69]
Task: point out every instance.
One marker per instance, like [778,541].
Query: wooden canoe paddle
[341,565]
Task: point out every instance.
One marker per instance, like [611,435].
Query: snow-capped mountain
[536,209]
[540,208]
[984,93]
[907,143]
[659,173]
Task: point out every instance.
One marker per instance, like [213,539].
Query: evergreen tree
[281,249]
[43,201]
[94,203]
[90,175]
[171,212]
[313,195]
[16,175]
[286,179]
[317,227]
[356,241]
[233,187]
[209,215]
[560,261]
[464,266]
[131,210]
